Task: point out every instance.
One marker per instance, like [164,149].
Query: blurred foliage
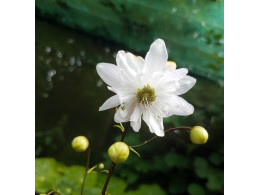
[67,99]
[52,175]
[177,172]
[69,92]
[193,30]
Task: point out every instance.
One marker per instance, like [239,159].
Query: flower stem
[112,165]
[166,131]
[86,170]
[53,192]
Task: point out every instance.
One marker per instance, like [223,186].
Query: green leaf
[52,175]
[134,151]
[116,185]
[75,173]
[131,177]
[177,185]
[92,191]
[215,181]
[176,160]
[196,189]
[214,176]
[215,159]
[153,189]
[67,186]
[201,167]
[142,166]
[47,171]
[105,171]
[120,127]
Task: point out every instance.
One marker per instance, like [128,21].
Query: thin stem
[166,131]
[86,170]
[112,165]
[124,133]
[53,192]
[92,168]
[111,168]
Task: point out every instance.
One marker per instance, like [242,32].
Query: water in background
[69,93]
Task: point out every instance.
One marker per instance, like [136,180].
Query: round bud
[118,152]
[101,166]
[198,135]
[80,143]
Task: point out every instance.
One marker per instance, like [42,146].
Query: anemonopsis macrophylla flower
[147,88]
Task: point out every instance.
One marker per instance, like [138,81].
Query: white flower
[146,88]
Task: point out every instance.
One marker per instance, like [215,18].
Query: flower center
[145,95]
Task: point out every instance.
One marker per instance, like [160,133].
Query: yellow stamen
[145,95]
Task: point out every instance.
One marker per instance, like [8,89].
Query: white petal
[168,80]
[110,103]
[109,73]
[135,62]
[125,94]
[176,75]
[122,64]
[111,89]
[136,113]
[185,85]
[136,119]
[177,106]
[118,118]
[123,115]
[146,116]
[155,123]
[157,56]
[123,111]
[156,77]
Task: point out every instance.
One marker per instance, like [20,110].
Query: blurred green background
[72,36]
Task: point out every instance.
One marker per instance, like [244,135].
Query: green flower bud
[118,152]
[101,166]
[80,143]
[198,135]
